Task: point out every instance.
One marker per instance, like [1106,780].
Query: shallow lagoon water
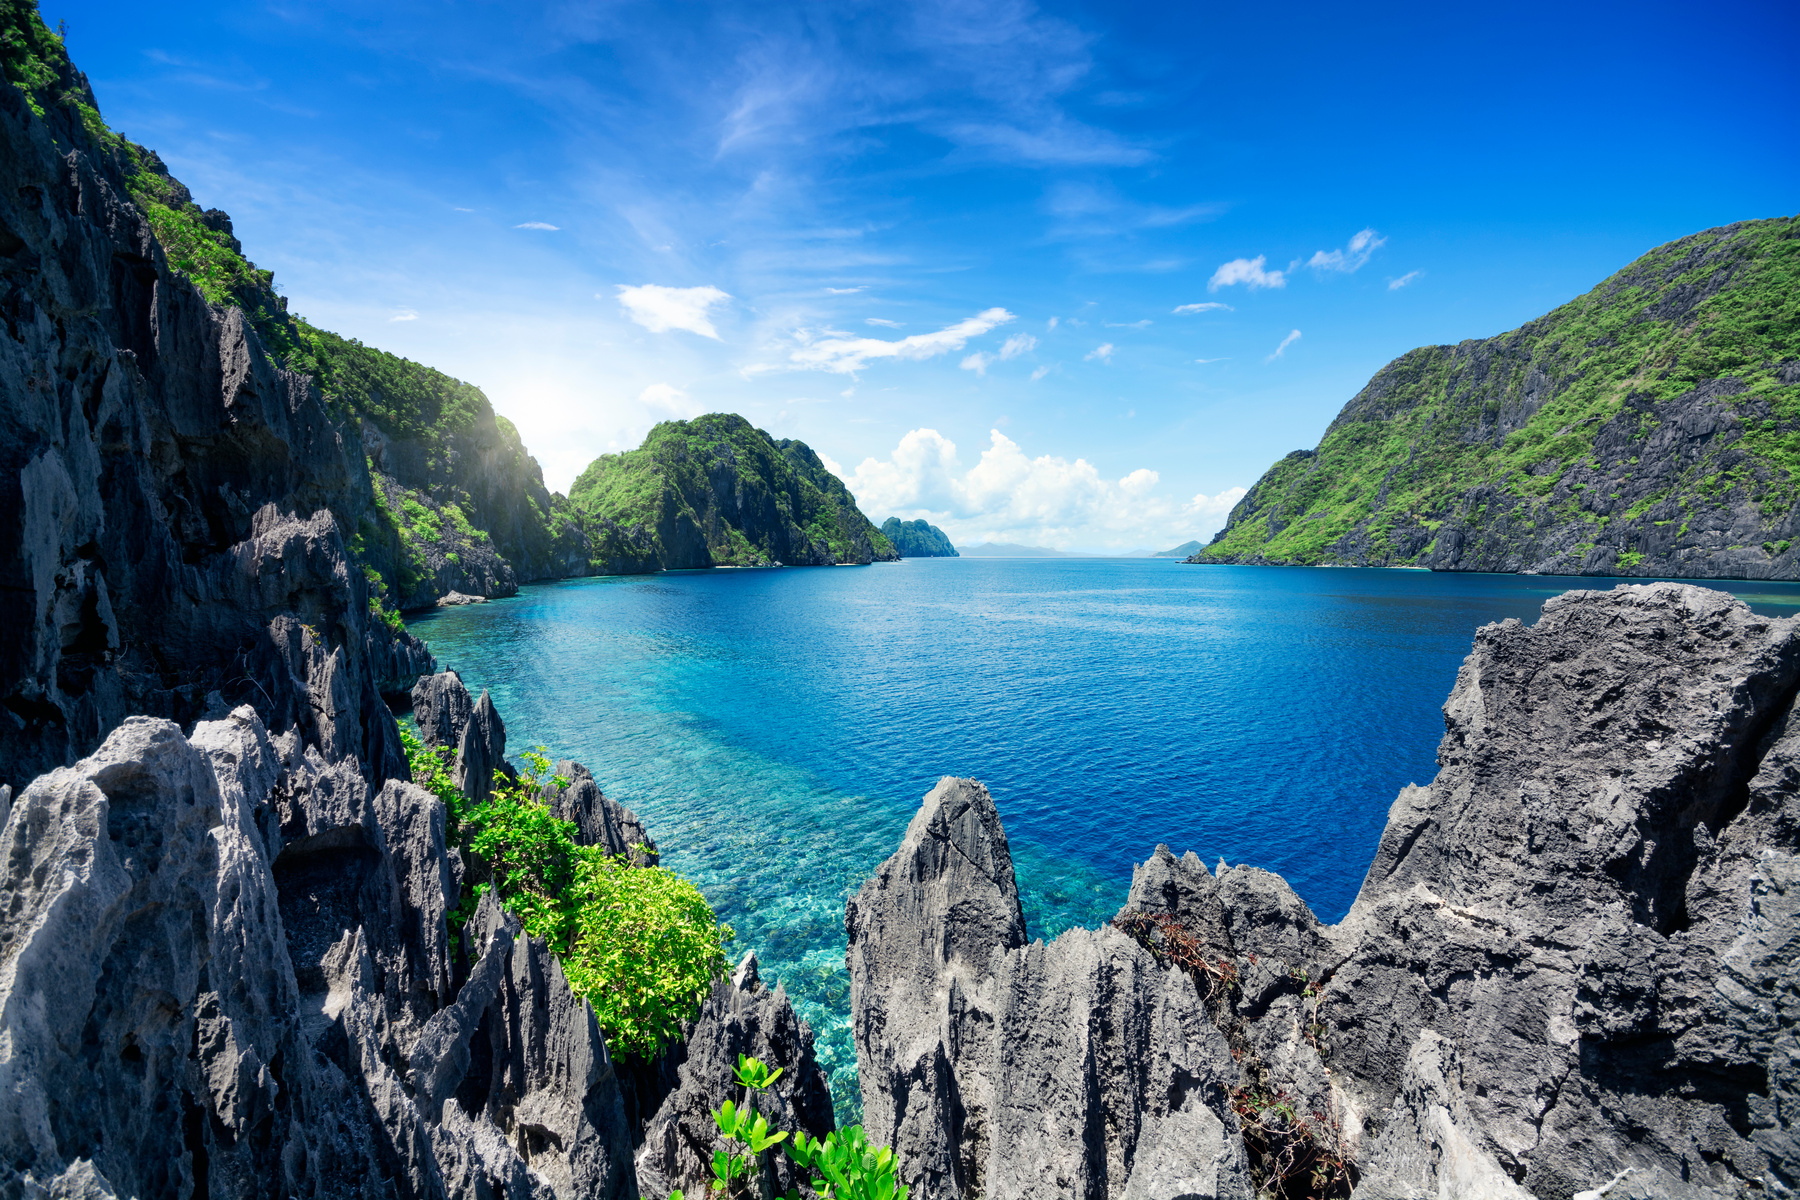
[776,729]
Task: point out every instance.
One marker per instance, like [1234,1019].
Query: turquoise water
[776,729]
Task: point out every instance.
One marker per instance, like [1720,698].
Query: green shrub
[641,944]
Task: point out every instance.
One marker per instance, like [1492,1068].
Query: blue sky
[1063,274]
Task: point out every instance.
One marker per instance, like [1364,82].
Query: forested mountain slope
[1650,427]
[717,491]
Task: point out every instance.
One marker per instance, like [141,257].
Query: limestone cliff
[1575,960]
[1646,428]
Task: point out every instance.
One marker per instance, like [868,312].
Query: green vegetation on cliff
[1650,427]
[917,539]
[717,491]
[640,943]
[458,504]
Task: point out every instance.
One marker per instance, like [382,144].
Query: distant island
[717,491]
[916,539]
[1181,551]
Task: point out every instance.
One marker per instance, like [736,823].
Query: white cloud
[1017,344]
[1287,341]
[1103,352]
[1210,306]
[669,399]
[1351,257]
[404,314]
[845,353]
[1212,360]
[1051,323]
[1144,324]
[845,291]
[1204,510]
[1395,285]
[1010,496]
[538,225]
[1247,271]
[882,321]
[1039,373]
[660,309]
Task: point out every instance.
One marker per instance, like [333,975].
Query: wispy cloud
[1103,352]
[1087,210]
[660,309]
[1144,324]
[883,321]
[1183,310]
[1017,344]
[404,314]
[1039,373]
[1287,341]
[846,354]
[1395,285]
[831,291]
[538,225]
[1227,358]
[1248,271]
[1351,257]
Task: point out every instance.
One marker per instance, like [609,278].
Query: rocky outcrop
[228,971]
[174,506]
[1002,1069]
[598,820]
[741,1017]
[1573,963]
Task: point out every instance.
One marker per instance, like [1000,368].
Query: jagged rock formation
[1575,961]
[717,491]
[917,539]
[598,820]
[227,971]
[174,504]
[740,1017]
[1000,1069]
[1641,429]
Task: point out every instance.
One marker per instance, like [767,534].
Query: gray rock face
[1002,1069]
[448,719]
[599,821]
[740,1017]
[174,505]
[1574,963]
[227,969]
[1590,902]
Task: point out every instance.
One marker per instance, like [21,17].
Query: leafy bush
[641,944]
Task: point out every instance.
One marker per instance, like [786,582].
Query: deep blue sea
[776,728]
